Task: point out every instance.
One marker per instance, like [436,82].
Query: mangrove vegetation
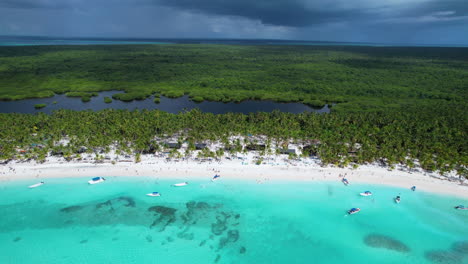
[356,78]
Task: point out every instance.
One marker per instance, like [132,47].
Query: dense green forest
[357,78]
[400,105]
[434,139]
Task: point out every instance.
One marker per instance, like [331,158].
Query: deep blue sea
[69,221]
[31,41]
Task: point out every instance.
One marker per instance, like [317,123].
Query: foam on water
[69,221]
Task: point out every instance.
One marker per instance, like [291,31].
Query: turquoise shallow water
[69,221]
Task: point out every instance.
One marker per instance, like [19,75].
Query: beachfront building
[200,146]
[255,147]
[288,151]
[172,145]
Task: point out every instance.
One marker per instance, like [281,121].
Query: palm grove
[436,142]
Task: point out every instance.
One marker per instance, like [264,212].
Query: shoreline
[307,170]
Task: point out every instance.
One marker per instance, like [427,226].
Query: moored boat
[413,188]
[397,199]
[461,207]
[36,185]
[354,210]
[345,181]
[366,193]
[216,177]
[180,184]
[96,180]
[154,194]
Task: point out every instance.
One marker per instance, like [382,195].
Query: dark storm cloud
[290,13]
[280,12]
[275,12]
[338,20]
[302,13]
[460,7]
[67,4]
[32,4]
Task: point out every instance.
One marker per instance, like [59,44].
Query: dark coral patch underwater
[444,257]
[455,255]
[461,247]
[383,241]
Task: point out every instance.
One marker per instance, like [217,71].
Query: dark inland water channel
[167,104]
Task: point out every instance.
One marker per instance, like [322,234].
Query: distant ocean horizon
[45,40]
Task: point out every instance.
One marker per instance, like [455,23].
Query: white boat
[96,180]
[180,184]
[354,211]
[36,185]
[397,199]
[216,177]
[154,194]
[366,193]
[345,181]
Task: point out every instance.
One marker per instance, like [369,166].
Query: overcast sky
[382,21]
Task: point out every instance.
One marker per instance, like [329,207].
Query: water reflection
[167,104]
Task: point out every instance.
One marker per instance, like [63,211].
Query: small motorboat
[180,184]
[413,188]
[366,193]
[461,207]
[397,199]
[154,194]
[36,185]
[216,177]
[354,210]
[96,180]
[345,181]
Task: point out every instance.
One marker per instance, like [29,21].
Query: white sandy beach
[276,169]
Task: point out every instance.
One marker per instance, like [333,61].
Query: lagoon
[171,105]
[227,221]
